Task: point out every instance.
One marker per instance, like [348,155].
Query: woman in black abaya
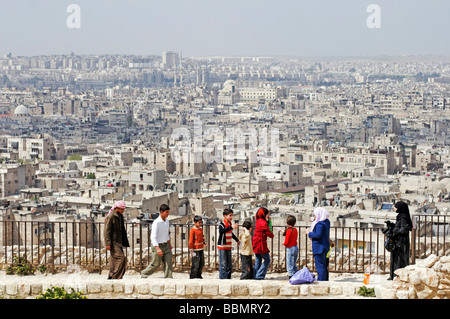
[403,225]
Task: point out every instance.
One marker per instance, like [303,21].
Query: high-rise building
[170,59]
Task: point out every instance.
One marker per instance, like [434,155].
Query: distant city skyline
[229,28]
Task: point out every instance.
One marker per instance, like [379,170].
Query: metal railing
[431,236]
[59,244]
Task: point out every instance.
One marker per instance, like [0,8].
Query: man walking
[115,236]
[161,247]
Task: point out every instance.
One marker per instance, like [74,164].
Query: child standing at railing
[290,242]
[224,244]
[259,242]
[196,246]
[246,251]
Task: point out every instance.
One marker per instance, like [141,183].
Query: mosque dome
[21,110]
[230,86]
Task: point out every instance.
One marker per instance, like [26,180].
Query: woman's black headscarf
[403,213]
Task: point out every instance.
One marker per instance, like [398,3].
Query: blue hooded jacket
[320,237]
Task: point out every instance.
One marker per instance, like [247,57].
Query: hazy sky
[225,27]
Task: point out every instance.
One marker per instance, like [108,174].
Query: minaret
[181,68]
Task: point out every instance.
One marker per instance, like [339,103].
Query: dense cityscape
[255,150]
[350,133]
[203,134]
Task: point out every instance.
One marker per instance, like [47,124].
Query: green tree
[75,157]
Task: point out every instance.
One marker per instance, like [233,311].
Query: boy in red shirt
[196,245]
[290,242]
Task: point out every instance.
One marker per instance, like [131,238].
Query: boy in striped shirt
[224,244]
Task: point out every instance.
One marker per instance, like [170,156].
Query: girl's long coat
[262,231]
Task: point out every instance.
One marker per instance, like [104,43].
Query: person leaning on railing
[290,242]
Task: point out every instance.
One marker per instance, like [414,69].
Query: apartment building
[258,93]
[14,177]
[342,159]
[186,185]
[40,147]
[147,180]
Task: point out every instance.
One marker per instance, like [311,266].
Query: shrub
[21,266]
[42,268]
[60,293]
[366,292]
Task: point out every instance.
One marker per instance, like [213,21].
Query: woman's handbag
[390,245]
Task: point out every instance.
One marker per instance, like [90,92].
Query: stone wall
[94,288]
[427,279]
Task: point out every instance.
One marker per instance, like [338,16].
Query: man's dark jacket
[115,231]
